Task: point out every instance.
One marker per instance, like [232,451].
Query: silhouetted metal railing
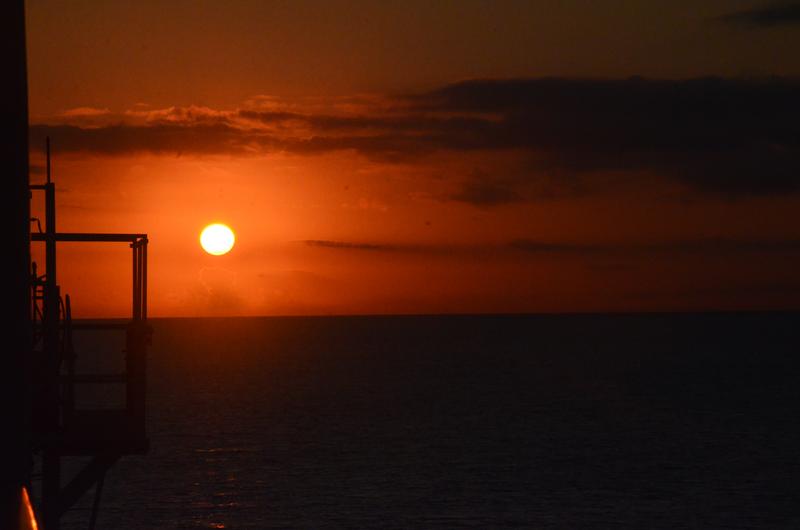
[137,330]
[61,428]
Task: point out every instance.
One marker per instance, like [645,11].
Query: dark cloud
[781,14]
[158,138]
[546,247]
[724,136]
[402,248]
[717,135]
[397,121]
[719,246]
[324,243]
[399,136]
[482,192]
[381,147]
[707,246]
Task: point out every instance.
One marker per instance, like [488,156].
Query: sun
[217,239]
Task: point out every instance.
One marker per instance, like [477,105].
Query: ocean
[538,421]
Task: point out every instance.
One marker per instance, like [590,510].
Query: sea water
[540,421]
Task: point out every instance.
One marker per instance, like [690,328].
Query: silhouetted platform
[60,428]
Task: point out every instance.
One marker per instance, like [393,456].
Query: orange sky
[364,171]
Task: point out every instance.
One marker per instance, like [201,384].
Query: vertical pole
[135,368]
[51,460]
[136,340]
[69,354]
[139,280]
[47,156]
[135,274]
[50,232]
[144,279]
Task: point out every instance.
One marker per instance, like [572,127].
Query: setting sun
[535,261]
[217,239]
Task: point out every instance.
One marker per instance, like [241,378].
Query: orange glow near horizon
[338,234]
[409,158]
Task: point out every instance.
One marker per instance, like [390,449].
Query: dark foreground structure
[41,415]
[16,345]
[61,428]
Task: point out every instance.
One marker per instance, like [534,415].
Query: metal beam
[84,480]
[87,237]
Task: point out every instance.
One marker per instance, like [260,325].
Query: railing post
[144,278]
[51,459]
[137,338]
[134,272]
[69,357]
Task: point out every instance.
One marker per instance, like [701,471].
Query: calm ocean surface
[587,421]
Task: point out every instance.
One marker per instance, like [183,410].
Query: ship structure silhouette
[60,427]
[42,417]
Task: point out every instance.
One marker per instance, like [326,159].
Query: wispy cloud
[483,191]
[121,139]
[191,115]
[705,246]
[348,245]
[733,137]
[720,246]
[769,16]
[426,249]
[80,112]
